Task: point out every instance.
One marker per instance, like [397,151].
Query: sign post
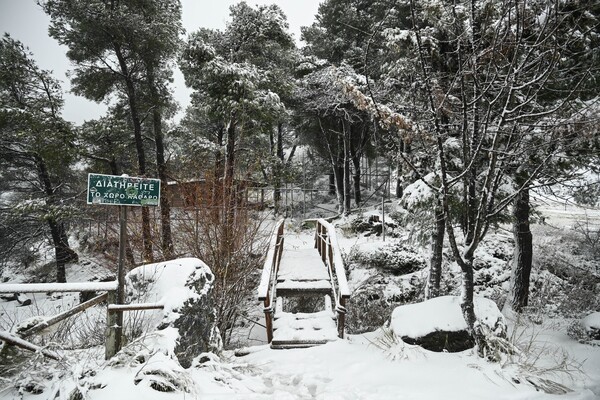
[123,191]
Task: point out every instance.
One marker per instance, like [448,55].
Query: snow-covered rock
[184,287]
[591,324]
[438,324]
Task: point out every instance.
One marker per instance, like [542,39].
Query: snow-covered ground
[368,366]
[373,365]
[363,367]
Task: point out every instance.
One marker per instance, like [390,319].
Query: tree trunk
[165,202]
[339,185]
[219,172]
[357,177]
[229,160]
[277,174]
[471,212]
[62,252]
[523,252]
[437,247]
[347,187]
[165,206]
[332,183]
[147,253]
[399,188]
[468,307]
[229,189]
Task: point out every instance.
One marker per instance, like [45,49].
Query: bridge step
[299,330]
[290,287]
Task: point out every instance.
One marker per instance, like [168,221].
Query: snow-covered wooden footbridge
[304,290]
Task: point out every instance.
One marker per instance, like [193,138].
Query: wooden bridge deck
[301,270]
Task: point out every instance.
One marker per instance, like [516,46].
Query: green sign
[122,190]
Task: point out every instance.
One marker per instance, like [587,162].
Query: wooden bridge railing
[113,331]
[328,247]
[268,280]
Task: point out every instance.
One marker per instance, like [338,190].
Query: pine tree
[124,48]
[36,151]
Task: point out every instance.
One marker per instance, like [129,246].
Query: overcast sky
[25,21]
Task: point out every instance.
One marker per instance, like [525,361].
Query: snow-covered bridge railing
[268,280]
[113,332]
[327,245]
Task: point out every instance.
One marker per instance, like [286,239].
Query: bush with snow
[372,224]
[587,329]
[383,276]
[373,301]
[397,258]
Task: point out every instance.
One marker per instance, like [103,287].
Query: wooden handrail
[265,279]
[266,288]
[328,247]
[336,255]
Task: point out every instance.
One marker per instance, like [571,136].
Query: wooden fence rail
[64,315]
[17,341]
[113,331]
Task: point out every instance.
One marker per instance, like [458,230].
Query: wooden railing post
[323,239]
[341,316]
[330,254]
[114,320]
[114,330]
[268,318]
[318,238]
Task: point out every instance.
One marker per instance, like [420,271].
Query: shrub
[371,305]
[397,258]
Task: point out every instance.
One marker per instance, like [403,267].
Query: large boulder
[438,324]
[184,286]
